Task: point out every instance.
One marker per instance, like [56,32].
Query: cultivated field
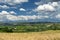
[46,35]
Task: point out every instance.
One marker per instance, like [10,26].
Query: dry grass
[48,35]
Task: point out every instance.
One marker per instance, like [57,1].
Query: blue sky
[30,10]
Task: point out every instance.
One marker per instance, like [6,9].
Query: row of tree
[30,28]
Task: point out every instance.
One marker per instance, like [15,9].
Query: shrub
[7,29]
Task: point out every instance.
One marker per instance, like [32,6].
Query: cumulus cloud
[55,4]
[47,7]
[58,16]
[4,16]
[46,1]
[7,13]
[26,18]
[22,9]
[42,17]
[4,7]
[38,3]
[11,17]
[21,17]
[12,12]
[4,13]
[33,17]
[12,2]
[51,9]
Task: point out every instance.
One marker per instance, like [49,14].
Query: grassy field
[44,35]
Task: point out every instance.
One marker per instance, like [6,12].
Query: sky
[29,10]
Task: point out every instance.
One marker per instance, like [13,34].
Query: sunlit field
[40,31]
[46,35]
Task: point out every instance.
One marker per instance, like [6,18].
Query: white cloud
[27,17]
[12,12]
[4,16]
[12,2]
[11,17]
[47,7]
[38,3]
[33,17]
[4,13]
[54,4]
[22,9]
[7,13]
[4,6]
[21,17]
[42,17]
[51,9]
[58,16]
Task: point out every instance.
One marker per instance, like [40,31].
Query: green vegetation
[30,27]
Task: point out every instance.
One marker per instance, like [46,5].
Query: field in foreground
[46,35]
